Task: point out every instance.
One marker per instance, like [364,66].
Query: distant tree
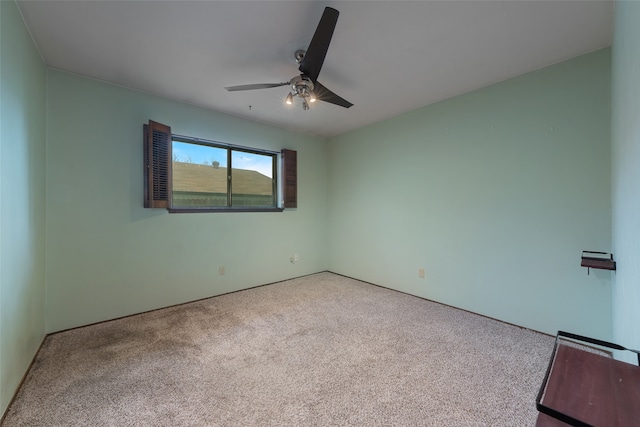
[181,159]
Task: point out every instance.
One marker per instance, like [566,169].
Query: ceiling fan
[306,86]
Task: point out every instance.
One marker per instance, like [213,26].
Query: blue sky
[201,154]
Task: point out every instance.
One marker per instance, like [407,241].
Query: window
[211,175]
[185,174]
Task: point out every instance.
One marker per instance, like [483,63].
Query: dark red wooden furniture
[583,388]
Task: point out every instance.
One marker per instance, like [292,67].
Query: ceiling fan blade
[324,94]
[317,50]
[255,86]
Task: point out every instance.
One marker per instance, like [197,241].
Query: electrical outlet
[221,270]
[421,273]
[296,258]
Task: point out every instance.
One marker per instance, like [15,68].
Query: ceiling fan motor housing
[302,86]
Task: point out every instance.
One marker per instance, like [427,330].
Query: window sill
[218,210]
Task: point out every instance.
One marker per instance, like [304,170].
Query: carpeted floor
[321,350]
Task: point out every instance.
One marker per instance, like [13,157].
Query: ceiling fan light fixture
[312,97]
[289,99]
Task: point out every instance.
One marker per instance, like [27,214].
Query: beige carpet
[321,350]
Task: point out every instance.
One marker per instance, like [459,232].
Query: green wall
[494,193]
[22,200]
[107,256]
[626,174]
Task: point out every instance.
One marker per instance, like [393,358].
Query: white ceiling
[386,57]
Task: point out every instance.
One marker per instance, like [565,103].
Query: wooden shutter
[290,176]
[157,165]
